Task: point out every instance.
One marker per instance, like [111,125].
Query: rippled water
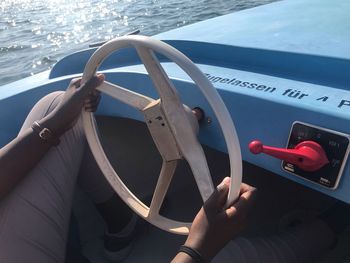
[34,34]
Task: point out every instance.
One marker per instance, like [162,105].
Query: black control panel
[335,145]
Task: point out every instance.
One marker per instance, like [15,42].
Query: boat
[273,79]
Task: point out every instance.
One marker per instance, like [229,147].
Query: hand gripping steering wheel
[171,124]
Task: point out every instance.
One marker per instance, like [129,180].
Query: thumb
[91,84]
[217,200]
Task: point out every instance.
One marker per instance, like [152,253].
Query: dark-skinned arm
[214,225]
[23,153]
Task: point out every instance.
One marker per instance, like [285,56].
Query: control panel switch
[313,153]
[307,155]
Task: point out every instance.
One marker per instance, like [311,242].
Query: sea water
[35,34]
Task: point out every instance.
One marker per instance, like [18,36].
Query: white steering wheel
[171,124]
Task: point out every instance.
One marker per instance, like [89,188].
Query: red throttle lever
[307,155]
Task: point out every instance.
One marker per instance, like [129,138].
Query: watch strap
[45,134]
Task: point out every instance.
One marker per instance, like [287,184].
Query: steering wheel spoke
[160,79]
[194,154]
[163,183]
[126,96]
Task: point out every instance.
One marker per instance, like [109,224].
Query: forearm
[20,156]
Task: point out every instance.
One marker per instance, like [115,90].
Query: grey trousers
[34,217]
[303,244]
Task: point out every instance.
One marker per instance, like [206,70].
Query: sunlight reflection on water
[34,34]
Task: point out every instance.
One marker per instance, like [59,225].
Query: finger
[243,204]
[89,106]
[92,99]
[223,187]
[225,183]
[95,93]
[94,82]
[92,106]
[230,212]
[218,198]
[91,84]
[75,82]
[245,188]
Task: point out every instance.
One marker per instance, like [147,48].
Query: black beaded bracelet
[194,254]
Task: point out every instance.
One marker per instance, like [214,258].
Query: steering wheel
[172,125]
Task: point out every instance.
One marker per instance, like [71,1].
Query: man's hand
[76,97]
[214,226]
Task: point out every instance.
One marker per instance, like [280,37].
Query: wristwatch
[45,134]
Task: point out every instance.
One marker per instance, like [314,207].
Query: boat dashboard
[279,97]
[269,98]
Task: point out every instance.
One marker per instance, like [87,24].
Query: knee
[42,108]
[48,103]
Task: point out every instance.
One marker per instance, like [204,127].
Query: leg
[122,225]
[34,217]
[114,211]
[302,244]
